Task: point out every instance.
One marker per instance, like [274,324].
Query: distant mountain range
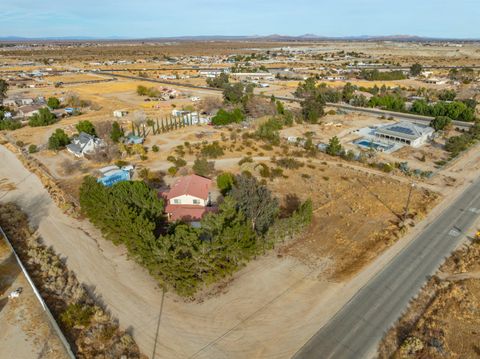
[273,37]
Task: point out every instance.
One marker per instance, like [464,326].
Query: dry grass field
[443,321]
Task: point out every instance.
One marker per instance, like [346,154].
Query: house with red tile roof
[188,199]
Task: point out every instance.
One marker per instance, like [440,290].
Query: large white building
[406,133]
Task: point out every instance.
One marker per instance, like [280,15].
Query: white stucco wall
[187,199]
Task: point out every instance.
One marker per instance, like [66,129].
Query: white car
[195,99]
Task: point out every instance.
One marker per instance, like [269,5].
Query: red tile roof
[193,185]
[186,212]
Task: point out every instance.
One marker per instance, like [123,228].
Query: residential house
[120,113]
[28,111]
[188,199]
[24,101]
[9,102]
[84,144]
[406,133]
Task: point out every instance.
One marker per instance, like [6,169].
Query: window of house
[177,201]
[196,201]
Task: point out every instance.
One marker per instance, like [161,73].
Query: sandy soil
[274,305]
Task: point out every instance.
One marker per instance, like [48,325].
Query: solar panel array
[400,129]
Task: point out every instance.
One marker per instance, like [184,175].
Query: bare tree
[103,130]
[210,104]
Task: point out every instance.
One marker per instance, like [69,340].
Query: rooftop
[193,185]
[405,129]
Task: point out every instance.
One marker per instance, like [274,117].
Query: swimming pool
[372,144]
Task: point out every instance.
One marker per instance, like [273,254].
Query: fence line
[52,320]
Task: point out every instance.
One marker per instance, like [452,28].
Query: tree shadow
[36,207]
[291,203]
[9,271]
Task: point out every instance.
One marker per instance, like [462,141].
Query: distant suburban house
[24,101]
[10,102]
[28,110]
[188,199]
[406,133]
[436,81]
[114,174]
[120,113]
[84,144]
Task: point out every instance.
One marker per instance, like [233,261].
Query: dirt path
[458,276]
[271,309]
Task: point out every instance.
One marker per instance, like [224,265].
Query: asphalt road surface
[355,331]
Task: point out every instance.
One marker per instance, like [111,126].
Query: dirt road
[271,309]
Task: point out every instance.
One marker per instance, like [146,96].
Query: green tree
[440,123]
[225,117]
[9,125]
[447,95]
[116,133]
[416,69]
[348,92]
[233,93]
[53,103]
[58,140]
[202,167]
[314,99]
[87,127]
[43,118]
[313,109]
[3,89]
[225,182]
[256,201]
[218,81]
[334,147]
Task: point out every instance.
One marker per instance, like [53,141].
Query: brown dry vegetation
[97,336]
[356,215]
[444,320]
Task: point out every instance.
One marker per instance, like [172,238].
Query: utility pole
[412,185]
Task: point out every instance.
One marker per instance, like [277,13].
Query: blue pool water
[374,145]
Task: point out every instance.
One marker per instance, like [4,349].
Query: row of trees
[376,75]
[180,256]
[455,110]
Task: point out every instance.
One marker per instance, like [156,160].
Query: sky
[162,18]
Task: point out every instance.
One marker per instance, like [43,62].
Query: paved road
[398,115]
[355,331]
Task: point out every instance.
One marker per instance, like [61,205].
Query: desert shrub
[32,148]
[289,163]
[213,150]
[77,315]
[246,159]
[155,148]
